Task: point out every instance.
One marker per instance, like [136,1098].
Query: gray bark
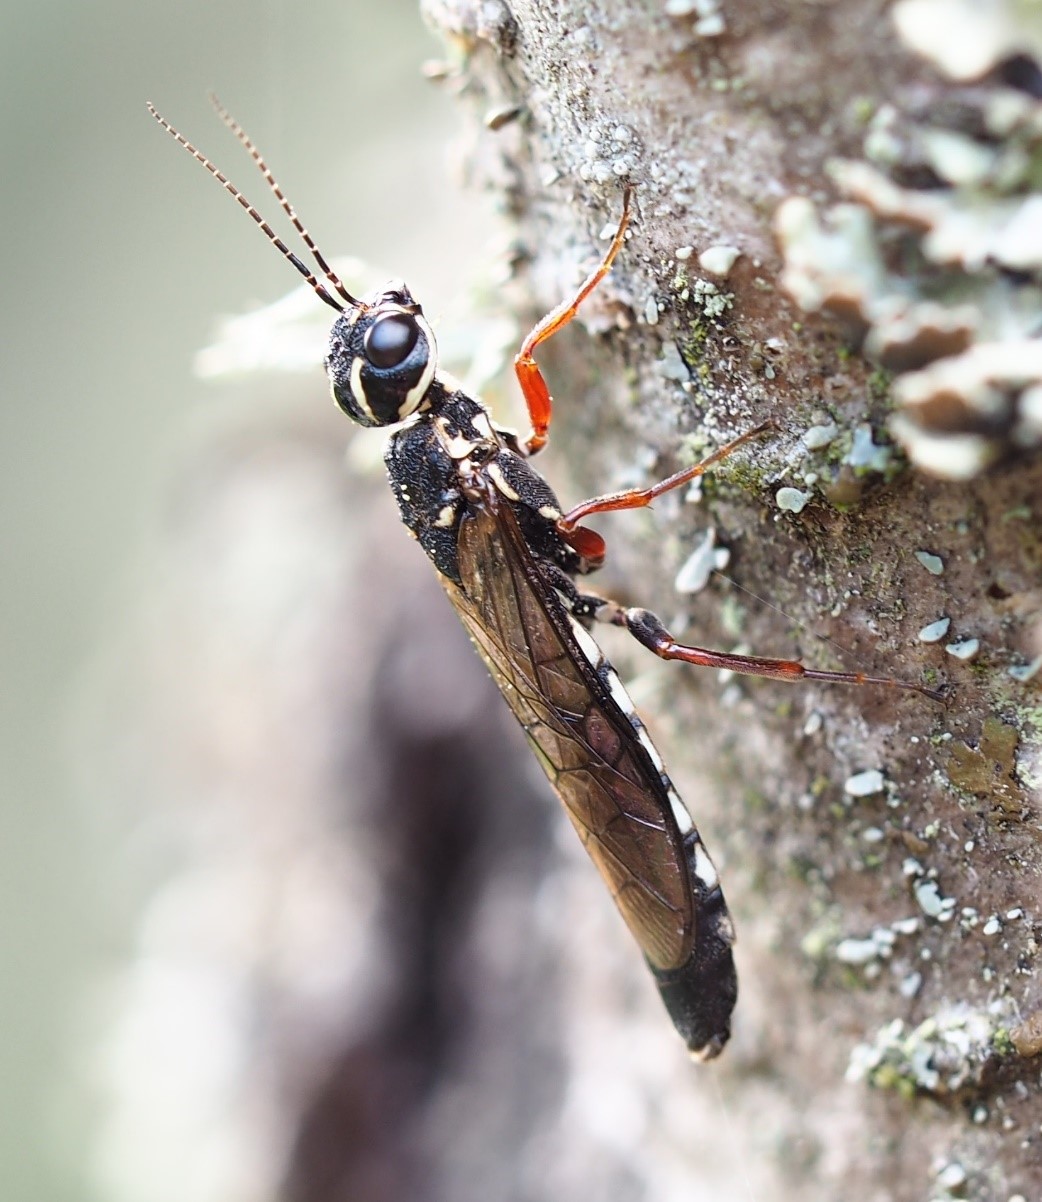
[716,132]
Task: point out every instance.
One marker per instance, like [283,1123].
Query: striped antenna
[320,289]
[280,196]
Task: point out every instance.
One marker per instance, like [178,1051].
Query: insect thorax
[450,457]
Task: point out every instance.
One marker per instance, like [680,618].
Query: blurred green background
[119,255]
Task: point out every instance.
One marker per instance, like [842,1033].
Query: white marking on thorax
[358,388]
[458,447]
[481,423]
[446,516]
[495,473]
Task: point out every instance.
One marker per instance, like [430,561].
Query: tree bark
[880,851]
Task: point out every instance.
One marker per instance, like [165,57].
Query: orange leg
[638,498]
[533,385]
[647,629]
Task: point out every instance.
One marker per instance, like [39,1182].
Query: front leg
[533,385]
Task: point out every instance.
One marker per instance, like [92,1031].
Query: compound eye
[389,341]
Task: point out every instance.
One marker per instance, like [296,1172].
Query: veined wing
[593,754]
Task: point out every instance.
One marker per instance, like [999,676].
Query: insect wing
[587,745]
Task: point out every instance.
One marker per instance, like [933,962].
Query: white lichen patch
[791,500]
[878,946]
[910,985]
[932,904]
[718,260]
[864,784]
[965,649]
[914,267]
[865,453]
[671,366]
[710,299]
[818,437]
[699,566]
[932,563]
[944,1053]
[1025,672]
[966,38]
[935,631]
[951,1176]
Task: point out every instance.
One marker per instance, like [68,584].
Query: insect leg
[648,630]
[638,498]
[533,385]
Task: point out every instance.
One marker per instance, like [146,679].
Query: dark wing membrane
[587,745]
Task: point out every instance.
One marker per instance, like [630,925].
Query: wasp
[510,559]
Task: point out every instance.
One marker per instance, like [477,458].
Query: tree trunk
[880,851]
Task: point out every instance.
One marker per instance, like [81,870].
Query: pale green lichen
[916,266]
[946,1052]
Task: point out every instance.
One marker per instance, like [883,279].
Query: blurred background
[137,515]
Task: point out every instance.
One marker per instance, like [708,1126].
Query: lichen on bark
[930,883]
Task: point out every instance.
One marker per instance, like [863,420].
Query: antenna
[321,291]
[280,196]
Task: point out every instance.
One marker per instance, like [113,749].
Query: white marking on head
[419,390]
[587,642]
[358,389]
[704,869]
[499,480]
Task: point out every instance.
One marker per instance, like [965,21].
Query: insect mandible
[509,559]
